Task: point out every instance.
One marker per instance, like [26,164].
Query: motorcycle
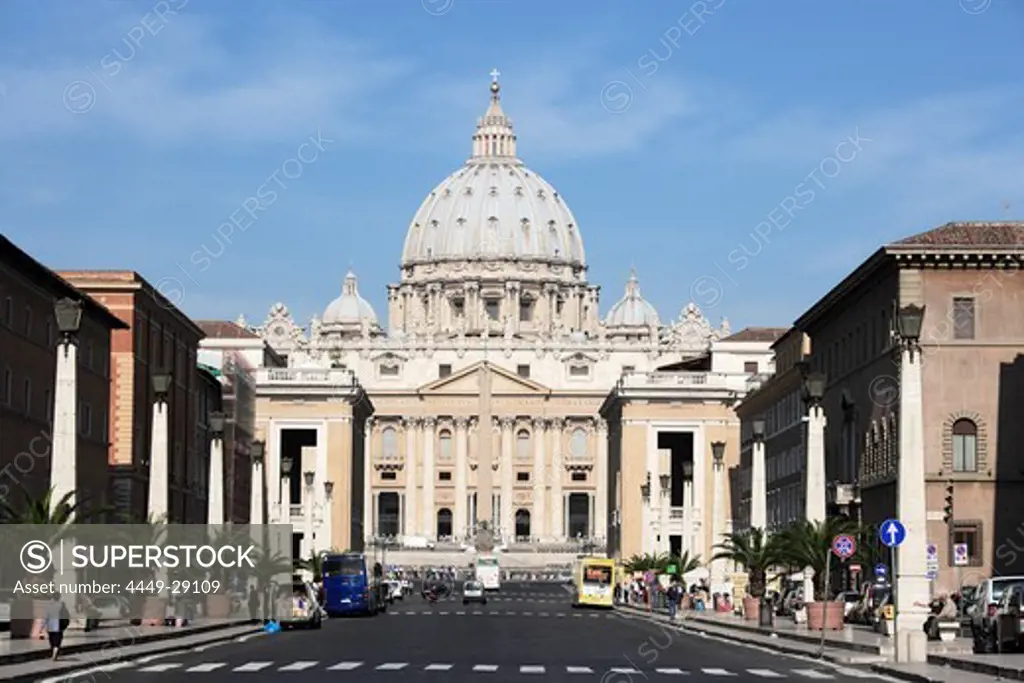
[431,596]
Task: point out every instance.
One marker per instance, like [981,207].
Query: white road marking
[205,668]
[77,675]
[438,667]
[345,666]
[717,672]
[253,666]
[765,673]
[298,666]
[672,671]
[624,670]
[531,669]
[811,673]
[160,667]
[579,670]
[488,668]
[392,666]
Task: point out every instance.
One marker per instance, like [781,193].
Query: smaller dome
[349,308]
[632,310]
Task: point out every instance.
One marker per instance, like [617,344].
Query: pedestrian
[673,601]
[254,603]
[57,620]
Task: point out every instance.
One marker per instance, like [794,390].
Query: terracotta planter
[827,615]
[27,618]
[218,606]
[154,611]
[751,608]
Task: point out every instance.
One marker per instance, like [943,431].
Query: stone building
[28,339]
[967,276]
[481,402]
[160,339]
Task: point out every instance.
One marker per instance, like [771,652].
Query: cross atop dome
[494,139]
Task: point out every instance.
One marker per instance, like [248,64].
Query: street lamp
[645,488]
[309,476]
[908,324]
[814,387]
[666,483]
[258,483]
[307,499]
[758,430]
[68,314]
[718,452]
[328,489]
[286,465]
[161,382]
[216,422]
[256,452]
[688,470]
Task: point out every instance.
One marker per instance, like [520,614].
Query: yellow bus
[594,579]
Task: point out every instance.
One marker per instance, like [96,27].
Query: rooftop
[969,234]
[225,329]
[757,334]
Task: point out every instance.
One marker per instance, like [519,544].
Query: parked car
[984,629]
[306,611]
[393,590]
[1008,632]
[473,591]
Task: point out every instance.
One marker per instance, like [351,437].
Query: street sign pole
[893,583]
[824,606]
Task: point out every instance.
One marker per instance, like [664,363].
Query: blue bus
[349,587]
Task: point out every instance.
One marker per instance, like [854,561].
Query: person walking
[57,620]
[672,596]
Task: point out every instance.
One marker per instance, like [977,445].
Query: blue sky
[129,134]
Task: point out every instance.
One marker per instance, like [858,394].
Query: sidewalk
[28,659]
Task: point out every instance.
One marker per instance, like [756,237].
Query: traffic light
[947,516]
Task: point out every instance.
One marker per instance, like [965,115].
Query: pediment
[466,382]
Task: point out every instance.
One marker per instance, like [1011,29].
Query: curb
[170,647]
[904,675]
[976,667]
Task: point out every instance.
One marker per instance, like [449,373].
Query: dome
[349,308]
[632,310]
[494,207]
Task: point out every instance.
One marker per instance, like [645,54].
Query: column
[538,522]
[601,477]
[718,521]
[913,590]
[272,469]
[663,485]
[328,543]
[215,499]
[428,524]
[557,499]
[64,466]
[815,483]
[158,465]
[411,527]
[368,511]
[461,472]
[508,525]
[256,493]
[688,517]
[758,487]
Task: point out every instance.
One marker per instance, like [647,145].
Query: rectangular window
[523,371]
[84,419]
[26,396]
[9,311]
[963,317]
[522,476]
[493,309]
[444,370]
[579,476]
[28,321]
[48,406]
[750,367]
[51,338]
[526,311]
[968,533]
[8,387]
[444,476]
[459,308]
[389,371]
[579,371]
[388,476]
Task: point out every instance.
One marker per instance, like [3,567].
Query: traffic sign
[844,546]
[932,574]
[933,551]
[854,568]
[960,555]
[881,570]
[892,533]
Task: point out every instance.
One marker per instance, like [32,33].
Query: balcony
[709,385]
[329,383]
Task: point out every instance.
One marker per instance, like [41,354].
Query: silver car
[473,591]
[306,611]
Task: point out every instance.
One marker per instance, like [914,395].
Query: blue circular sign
[892,532]
[844,546]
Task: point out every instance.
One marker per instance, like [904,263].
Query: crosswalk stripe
[531,669]
[438,667]
[160,667]
[298,666]
[624,670]
[205,668]
[672,671]
[765,673]
[812,673]
[253,666]
[488,668]
[717,672]
[579,670]
[392,666]
[345,666]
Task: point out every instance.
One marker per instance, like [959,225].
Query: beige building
[481,403]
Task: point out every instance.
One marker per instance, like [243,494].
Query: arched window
[446,445]
[523,445]
[444,523]
[389,443]
[522,524]
[578,443]
[965,446]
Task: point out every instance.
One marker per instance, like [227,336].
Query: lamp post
[307,499]
[912,585]
[158,452]
[258,483]
[688,506]
[665,479]
[328,514]
[648,522]
[215,498]
[814,511]
[718,514]
[286,490]
[758,481]
[64,463]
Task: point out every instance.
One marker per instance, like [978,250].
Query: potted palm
[809,544]
[757,552]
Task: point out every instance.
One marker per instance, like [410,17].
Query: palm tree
[45,510]
[756,551]
[647,561]
[685,563]
[315,563]
[270,569]
[808,544]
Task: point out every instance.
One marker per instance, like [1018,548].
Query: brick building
[28,343]
[209,399]
[161,339]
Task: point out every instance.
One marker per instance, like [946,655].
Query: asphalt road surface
[526,631]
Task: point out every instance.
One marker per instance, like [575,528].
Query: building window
[8,311]
[8,387]
[84,419]
[493,308]
[459,308]
[51,338]
[389,443]
[963,317]
[965,446]
[750,367]
[626,369]
[388,476]
[578,444]
[26,395]
[446,444]
[48,406]
[388,370]
[523,371]
[526,310]
[522,476]
[523,445]
[968,533]
[28,321]
[579,476]
[444,370]
[579,371]
[444,476]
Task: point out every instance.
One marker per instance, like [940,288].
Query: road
[527,630]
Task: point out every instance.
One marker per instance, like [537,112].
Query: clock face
[279,331]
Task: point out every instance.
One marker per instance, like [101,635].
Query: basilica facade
[492,397]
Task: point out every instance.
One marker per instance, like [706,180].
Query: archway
[522,524]
[579,515]
[387,513]
[444,523]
